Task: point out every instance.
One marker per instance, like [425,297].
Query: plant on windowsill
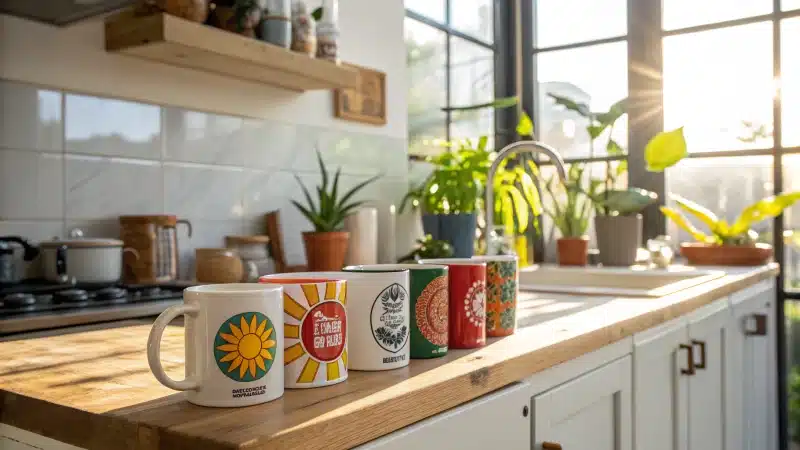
[728,244]
[326,246]
[618,220]
[570,208]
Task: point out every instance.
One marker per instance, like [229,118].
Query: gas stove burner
[18,300]
[150,291]
[110,293]
[71,296]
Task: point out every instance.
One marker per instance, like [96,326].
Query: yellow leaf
[681,221]
[665,150]
[763,209]
[707,217]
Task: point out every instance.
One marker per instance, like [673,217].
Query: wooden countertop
[94,389]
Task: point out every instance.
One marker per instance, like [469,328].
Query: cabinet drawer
[492,420]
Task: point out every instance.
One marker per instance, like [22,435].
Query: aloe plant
[330,211]
[723,233]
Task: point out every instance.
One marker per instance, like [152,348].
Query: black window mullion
[645,107]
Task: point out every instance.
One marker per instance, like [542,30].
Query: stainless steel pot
[10,271]
[83,260]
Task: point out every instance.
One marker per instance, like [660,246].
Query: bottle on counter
[328,32]
[276,28]
[304,30]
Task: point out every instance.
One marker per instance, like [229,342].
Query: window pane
[430,8]
[474,17]
[594,171]
[718,84]
[790,82]
[596,76]
[560,22]
[791,226]
[723,185]
[471,82]
[425,49]
[687,13]
[787,5]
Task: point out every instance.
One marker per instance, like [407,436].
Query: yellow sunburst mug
[314,331]
[234,344]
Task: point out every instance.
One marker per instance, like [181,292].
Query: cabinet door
[754,322]
[707,328]
[589,412]
[497,419]
[660,387]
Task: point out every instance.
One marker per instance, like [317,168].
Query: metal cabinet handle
[702,345]
[689,370]
[755,325]
[551,446]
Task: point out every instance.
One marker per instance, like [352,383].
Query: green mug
[429,306]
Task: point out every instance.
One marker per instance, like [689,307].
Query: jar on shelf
[304,30]
[276,28]
[328,32]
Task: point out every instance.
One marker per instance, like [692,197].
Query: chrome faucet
[519,147]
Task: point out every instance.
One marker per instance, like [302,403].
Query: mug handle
[154,347]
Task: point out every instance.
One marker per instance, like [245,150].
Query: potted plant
[427,248]
[326,246]
[570,209]
[728,244]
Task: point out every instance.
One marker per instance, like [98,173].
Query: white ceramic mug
[378,320]
[233,341]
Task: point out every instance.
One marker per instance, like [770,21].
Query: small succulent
[330,211]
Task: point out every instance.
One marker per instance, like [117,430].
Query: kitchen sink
[624,282]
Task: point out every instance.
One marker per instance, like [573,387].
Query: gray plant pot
[618,239]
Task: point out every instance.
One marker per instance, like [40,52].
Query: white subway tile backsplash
[31,185]
[104,188]
[203,192]
[200,137]
[110,127]
[30,118]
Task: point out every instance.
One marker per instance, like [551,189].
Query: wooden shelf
[182,43]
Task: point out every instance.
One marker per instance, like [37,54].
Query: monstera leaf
[626,201]
[665,150]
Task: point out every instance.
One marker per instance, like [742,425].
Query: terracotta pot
[326,251]
[700,254]
[573,251]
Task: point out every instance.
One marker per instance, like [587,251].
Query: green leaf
[707,217]
[323,171]
[626,201]
[665,150]
[483,141]
[525,126]
[682,222]
[616,111]
[622,167]
[580,108]
[499,103]
[306,194]
[614,149]
[763,209]
[317,13]
[595,130]
[357,188]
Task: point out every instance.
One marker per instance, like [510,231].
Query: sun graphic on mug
[244,347]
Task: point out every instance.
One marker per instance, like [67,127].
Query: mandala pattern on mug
[431,311]
[475,303]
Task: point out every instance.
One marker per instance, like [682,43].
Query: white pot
[85,260]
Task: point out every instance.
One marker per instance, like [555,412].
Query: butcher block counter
[94,390]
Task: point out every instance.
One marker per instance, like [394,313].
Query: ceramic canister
[429,306]
[467,312]
[377,316]
[502,279]
[314,331]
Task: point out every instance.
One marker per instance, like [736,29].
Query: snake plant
[330,211]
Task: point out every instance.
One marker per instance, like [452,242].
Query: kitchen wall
[217,151]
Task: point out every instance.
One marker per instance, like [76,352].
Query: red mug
[467,286]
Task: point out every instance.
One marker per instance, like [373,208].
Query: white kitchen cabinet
[679,382]
[592,411]
[752,411]
[707,328]
[501,418]
[661,387]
